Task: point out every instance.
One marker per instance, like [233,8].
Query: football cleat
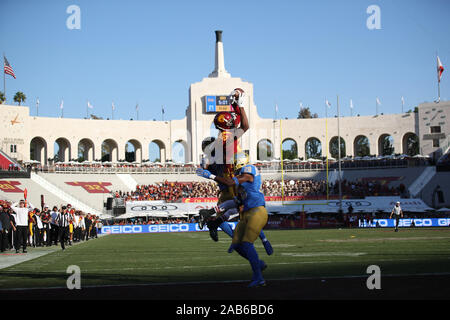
[257,283]
[201,222]
[214,234]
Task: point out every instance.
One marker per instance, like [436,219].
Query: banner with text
[156,228]
[369,204]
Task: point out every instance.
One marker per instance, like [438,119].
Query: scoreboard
[217,103]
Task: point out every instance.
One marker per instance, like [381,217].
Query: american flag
[8,69]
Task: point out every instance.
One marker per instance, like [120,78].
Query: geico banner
[156,228]
[390,223]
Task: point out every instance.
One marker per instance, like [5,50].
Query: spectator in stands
[5,229]
[54,231]
[46,218]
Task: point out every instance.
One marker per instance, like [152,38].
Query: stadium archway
[62,150]
[110,151]
[264,150]
[157,151]
[313,148]
[410,144]
[38,150]
[361,146]
[289,148]
[334,147]
[385,145]
[86,150]
[179,151]
[133,151]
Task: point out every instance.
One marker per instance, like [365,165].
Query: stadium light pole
[339,155]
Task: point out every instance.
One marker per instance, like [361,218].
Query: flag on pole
[90,106]
[113,106]
[403,100]
[8,69]
[378,102]
[162,109]
[137,106]
[61,106]
[440,69]
[328,103]
[351,104]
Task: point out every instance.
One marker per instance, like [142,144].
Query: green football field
[179,258]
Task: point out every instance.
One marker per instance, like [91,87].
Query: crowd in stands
[368,187]
[150,221]
[170,191]
[43,227]
[273,188]
[176,191]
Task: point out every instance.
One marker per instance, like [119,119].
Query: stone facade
[25,137]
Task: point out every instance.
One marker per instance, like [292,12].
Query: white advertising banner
[369,204]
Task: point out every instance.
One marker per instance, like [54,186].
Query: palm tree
[2,97]
[20,97]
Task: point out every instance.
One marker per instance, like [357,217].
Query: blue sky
[149,52]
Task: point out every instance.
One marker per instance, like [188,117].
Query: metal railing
[270,167]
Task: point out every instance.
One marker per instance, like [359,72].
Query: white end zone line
[230,281]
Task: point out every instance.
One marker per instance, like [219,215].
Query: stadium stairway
[5,161]
[12,190]
[128,180]
[64,196]
[427,175]
[93,189]
[429,193]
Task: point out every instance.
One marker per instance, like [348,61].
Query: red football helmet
[226,120]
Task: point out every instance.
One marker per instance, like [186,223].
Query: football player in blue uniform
[254,214]
[229,208]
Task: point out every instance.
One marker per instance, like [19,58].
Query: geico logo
[382,222]
[423,222]
[348,203]
[158,207]
[444,222]
[169,228]
[122,229]
[417,222]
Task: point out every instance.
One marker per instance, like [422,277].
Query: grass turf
[194,257]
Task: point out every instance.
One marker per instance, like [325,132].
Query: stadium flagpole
[281,163]
[326,144]
[339,156]
[4,77]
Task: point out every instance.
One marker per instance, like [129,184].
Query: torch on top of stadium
[219,68]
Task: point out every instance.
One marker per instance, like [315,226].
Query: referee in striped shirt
[63,220]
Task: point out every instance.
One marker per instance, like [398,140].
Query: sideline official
[63,220]
[398,213]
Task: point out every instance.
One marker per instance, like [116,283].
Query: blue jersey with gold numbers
[252,197]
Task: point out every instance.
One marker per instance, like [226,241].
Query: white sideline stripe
[12,259]
[232,281]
